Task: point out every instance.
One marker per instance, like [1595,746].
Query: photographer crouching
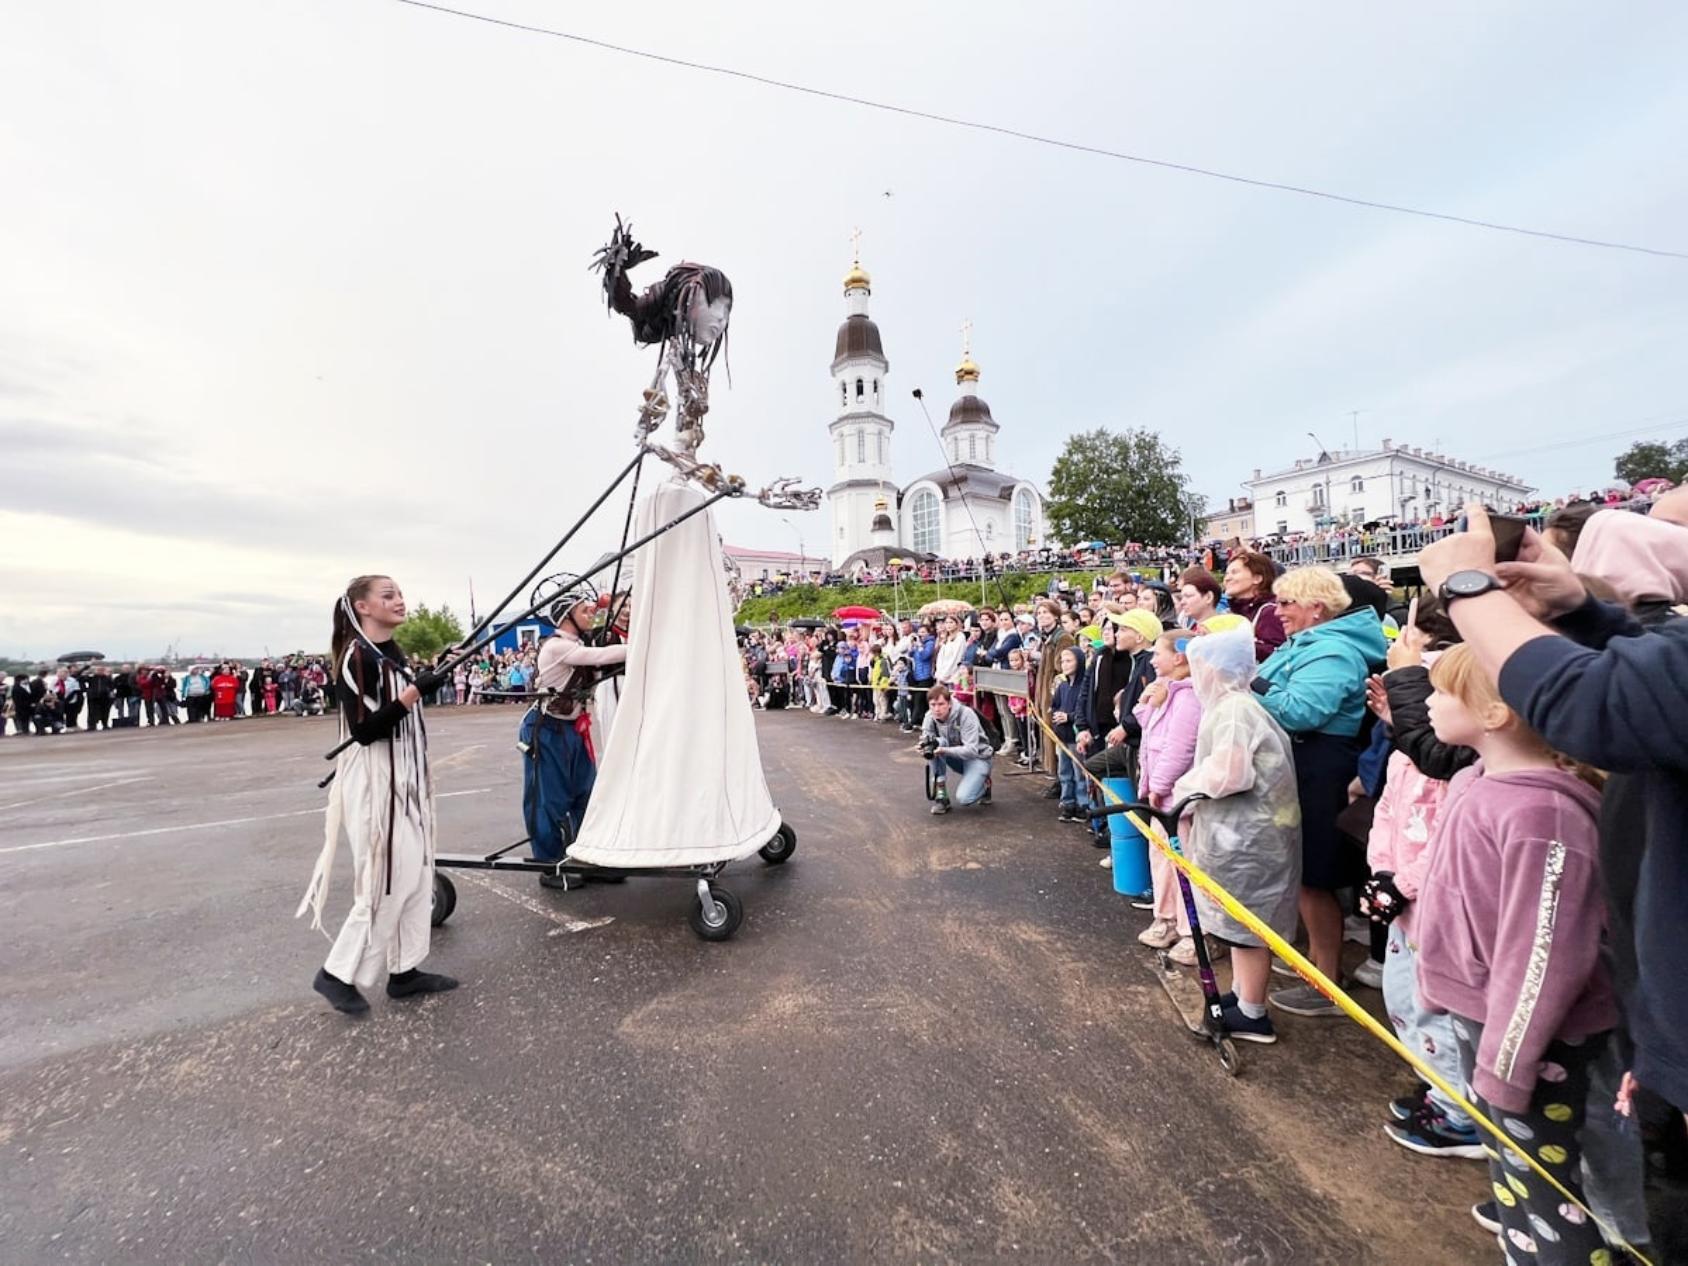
[953,738]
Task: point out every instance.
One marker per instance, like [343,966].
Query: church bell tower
[861,432]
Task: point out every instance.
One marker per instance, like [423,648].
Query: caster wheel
[445,899]
[779,849]
[1230,1058]
[728,915]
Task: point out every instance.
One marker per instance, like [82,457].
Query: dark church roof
[877,556]
[971,409]
[858,336]
[971,480]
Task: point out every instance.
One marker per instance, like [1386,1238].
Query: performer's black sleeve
[360,682]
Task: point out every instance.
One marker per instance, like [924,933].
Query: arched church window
[972,447]
[844,393]
[876,392]
[1025,519]
[881,440]
[861,445]
[859,391]
[988,448]
[923,520]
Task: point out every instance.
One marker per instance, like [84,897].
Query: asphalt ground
[932,1040]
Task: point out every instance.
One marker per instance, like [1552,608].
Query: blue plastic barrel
[1130,846]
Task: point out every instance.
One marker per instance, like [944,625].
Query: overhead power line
[1604,437]
[1016,133]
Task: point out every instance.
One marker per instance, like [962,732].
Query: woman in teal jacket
[1314,685]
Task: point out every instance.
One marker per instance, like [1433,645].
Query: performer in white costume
[383,797]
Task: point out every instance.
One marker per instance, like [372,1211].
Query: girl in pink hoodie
[1170,715]
[1509,925]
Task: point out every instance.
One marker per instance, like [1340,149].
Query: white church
[966,509]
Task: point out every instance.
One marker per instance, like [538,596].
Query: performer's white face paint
[382,605]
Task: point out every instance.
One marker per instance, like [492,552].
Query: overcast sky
[297,289]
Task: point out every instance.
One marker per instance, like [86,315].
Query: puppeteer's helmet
[572,595]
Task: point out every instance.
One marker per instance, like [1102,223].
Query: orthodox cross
[967,337]
[856,244]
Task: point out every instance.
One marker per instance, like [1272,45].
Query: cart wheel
[445,899]
[1230,1059]
[728,915]
[781,847]
[931,784]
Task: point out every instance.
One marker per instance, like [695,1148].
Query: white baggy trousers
[385,931]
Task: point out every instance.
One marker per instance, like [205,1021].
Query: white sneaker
[1107,859]
[1160,934]
[1184,953]
[1356,929]
[1369,974]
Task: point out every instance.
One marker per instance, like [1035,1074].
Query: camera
[929,746]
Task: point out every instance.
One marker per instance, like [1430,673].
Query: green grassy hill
[820,602]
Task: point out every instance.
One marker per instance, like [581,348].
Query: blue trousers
[557,778]
[973,770]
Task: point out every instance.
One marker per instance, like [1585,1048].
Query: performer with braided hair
[383,797]
[560,762]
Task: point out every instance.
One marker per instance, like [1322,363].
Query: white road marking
[200,826]
[565,923]
[80,791]
[82,777]
[446,762]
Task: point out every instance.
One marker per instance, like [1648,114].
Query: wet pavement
[931,1040]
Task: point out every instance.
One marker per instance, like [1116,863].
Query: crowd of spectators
[1486,789]
[94,695]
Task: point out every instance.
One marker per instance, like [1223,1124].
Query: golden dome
[857,278]
[967,371]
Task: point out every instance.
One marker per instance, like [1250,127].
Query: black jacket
[1139,674]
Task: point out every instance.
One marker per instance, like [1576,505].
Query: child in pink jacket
[1170,716]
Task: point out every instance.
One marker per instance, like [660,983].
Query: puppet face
[708,321]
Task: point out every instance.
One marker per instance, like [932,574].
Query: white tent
[680,777]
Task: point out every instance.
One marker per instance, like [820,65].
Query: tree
[425,633]
[1121,486]
[1648,459]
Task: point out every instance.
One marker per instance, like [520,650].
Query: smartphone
[1508,530]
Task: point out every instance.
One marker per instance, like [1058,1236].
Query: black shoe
[340,995]
[1052,791]
[1409,1106]
[549,880]
[1487,1216]
[405,983]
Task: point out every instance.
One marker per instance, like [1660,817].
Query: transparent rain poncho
[1247,835]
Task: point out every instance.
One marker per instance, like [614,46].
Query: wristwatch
[1467,584]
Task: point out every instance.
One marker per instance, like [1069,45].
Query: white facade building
[965,510]
[1396,482]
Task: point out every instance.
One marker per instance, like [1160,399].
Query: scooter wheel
[445,899]
[728,915]
[1230,1058]
[778,850]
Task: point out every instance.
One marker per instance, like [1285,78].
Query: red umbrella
[855,613]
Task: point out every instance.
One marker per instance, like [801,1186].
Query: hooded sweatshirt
[1511,921]
[1316,682]
[1617,701]
[1641,558]
[1169,738]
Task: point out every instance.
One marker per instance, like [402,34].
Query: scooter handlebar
[1168,818]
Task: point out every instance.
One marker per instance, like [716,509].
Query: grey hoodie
[962,731]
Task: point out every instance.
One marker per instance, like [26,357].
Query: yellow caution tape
[1313,976]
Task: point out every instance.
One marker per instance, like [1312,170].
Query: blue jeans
[973,770]
[1427,1033]
[1066,773]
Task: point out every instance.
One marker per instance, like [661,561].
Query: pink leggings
[1169,901]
